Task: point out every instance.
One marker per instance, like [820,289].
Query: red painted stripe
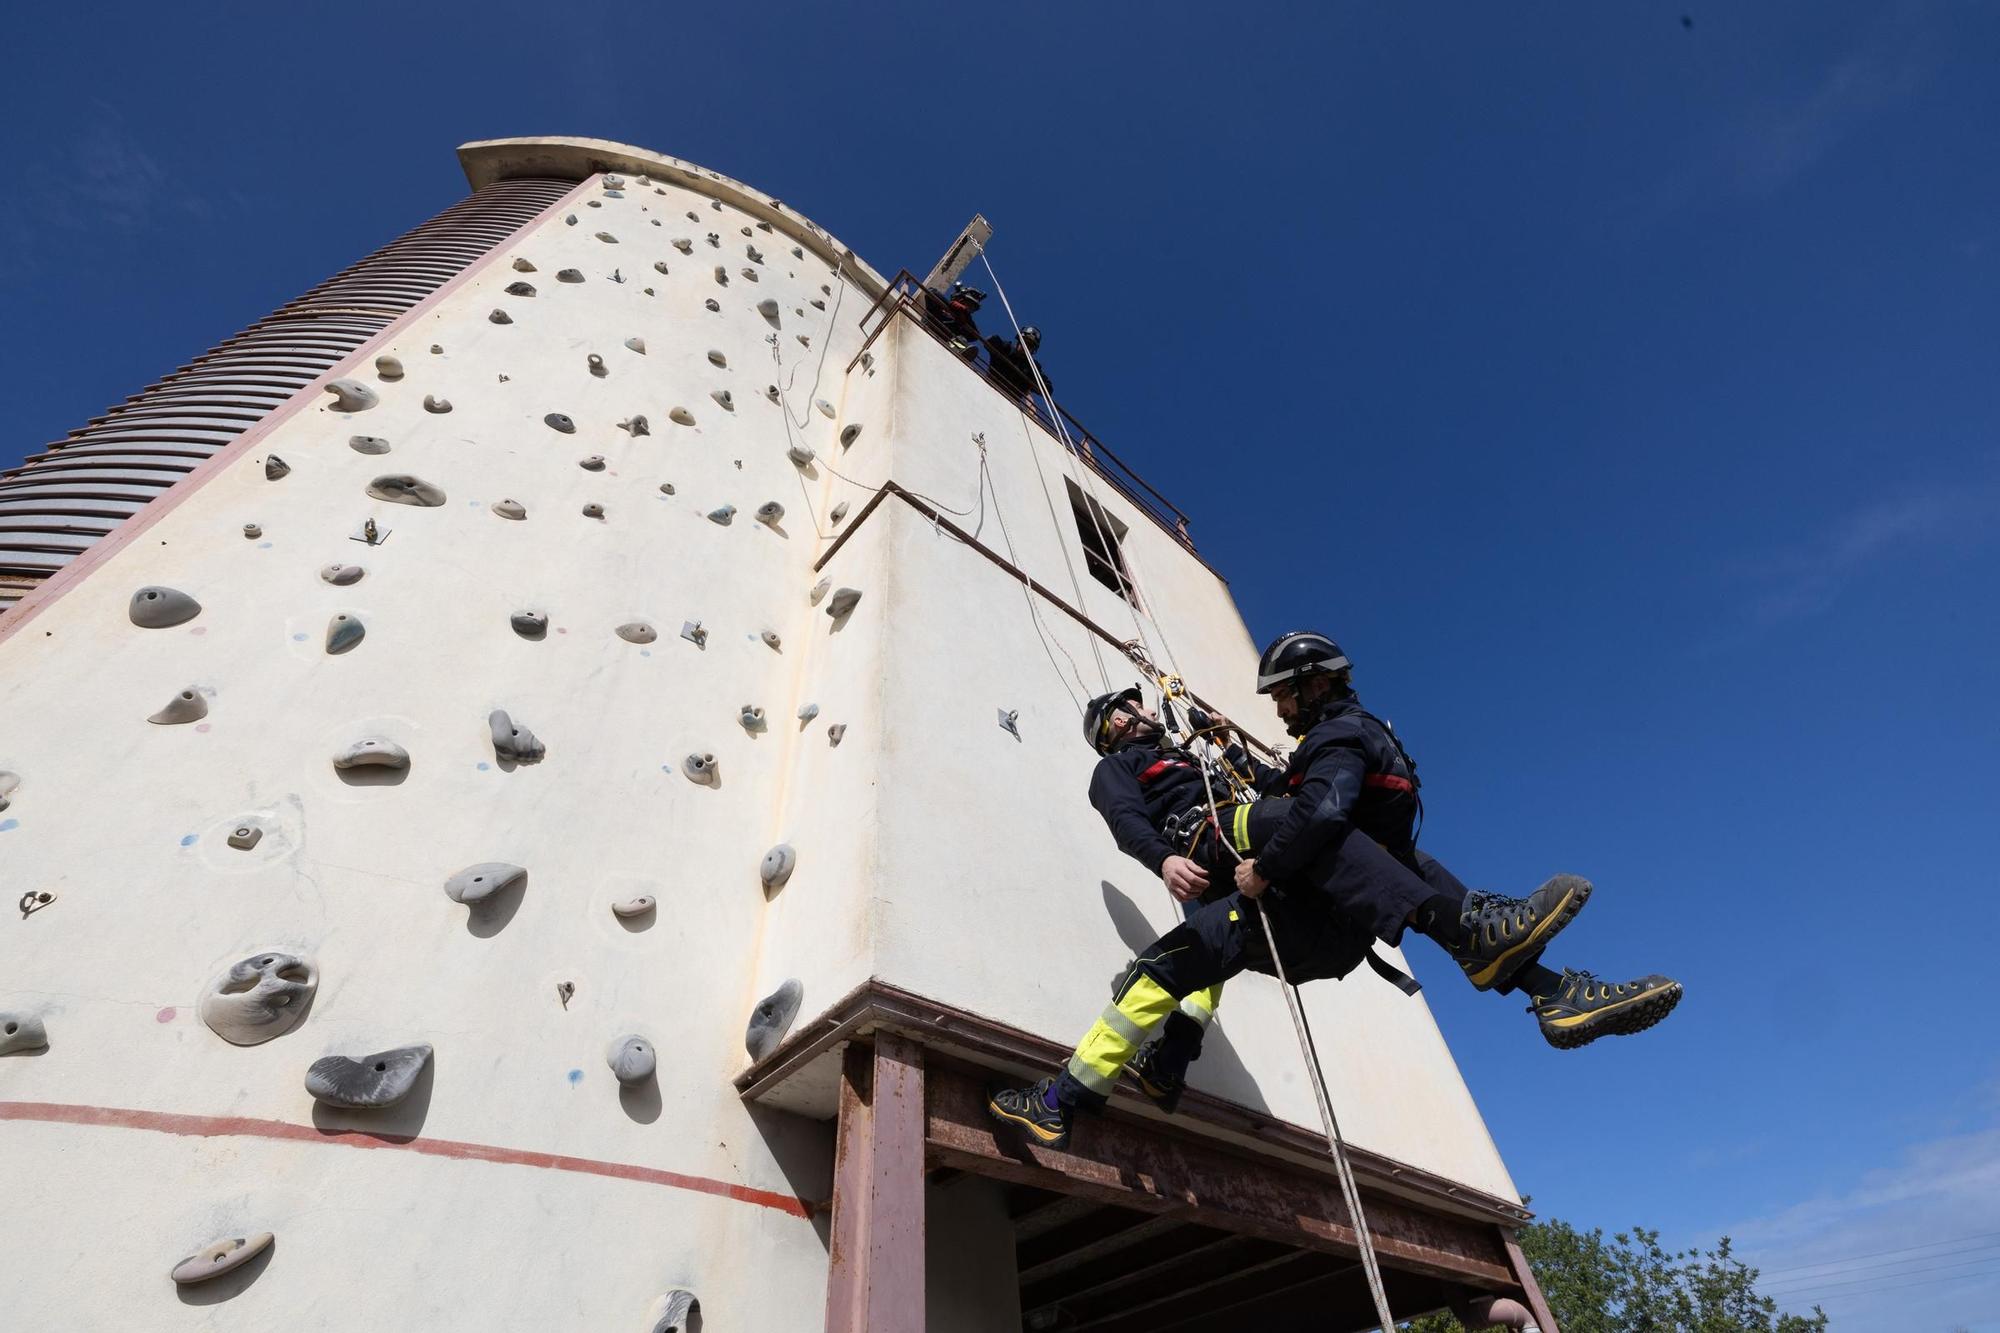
[231,1126]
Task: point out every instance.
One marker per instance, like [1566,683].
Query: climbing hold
[569,275]
[388,368]
[523,266]
[154,607]
[752,717]
[700,768]
[749,274]
[680,416]
[364,1083]
[1010,722]
[570,220]
[373,752]
[529,624]
[433,403]
[520,289]
[713,239]
[513,509]
[637,631]
[825,408]
[403,489]
[819,590]
[756,255]
[839,511]
[771,392]
[187,706]
[21,1032]
[804,341]
[593,510]
[275,467]
[692,631]
[340,576]
[219,1257]
[511,742]
[636,345]
[260,997]
[351,395]
[594,463]
[245,836]
[613,181]
[835,732]
[596,364]
[666,488]
[368,444]
[343,632]
[632,907]
[768,308]
[716,358]
[843,602]
[722,396]
[607,238]
[499,316]
[777,865]
[714,306]
[631,1059]
[636,426]
[807,712]
[798,253]
[252,531]
[800,454]
[437,349]
[772,1018]
[849,434]
[673,1311]
[818,304]
[721,275]
[722,515]
[561,422]
[771,512]
[682,244]
[480,882]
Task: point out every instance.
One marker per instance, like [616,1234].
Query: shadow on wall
[803,1150]
[1220,1070]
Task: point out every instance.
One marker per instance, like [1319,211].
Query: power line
[1887,1263]
[1873,1254]
[1901,1286]
[1860,1281]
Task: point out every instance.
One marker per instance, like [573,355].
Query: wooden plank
[875,1267]
[1152,1169]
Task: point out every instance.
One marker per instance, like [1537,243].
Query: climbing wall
[395,817]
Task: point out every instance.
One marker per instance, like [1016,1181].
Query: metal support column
[1538,1304]
[875,1274]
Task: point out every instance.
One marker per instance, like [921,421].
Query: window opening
[1103,543]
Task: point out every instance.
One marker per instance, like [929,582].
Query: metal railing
[905,295]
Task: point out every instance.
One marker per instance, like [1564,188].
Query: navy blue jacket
[1137,788]
[1348,772]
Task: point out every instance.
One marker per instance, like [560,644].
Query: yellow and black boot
[1033,1111]
[1498,936]
[1583,1008]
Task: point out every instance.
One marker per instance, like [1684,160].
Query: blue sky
[1623,395]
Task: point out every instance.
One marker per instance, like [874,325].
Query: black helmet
[1099,711]
[1031,338]
[972,296]
[1300,653]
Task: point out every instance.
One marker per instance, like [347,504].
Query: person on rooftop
[1014,362]
[1335,832]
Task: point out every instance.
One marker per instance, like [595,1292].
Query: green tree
[1630,1283]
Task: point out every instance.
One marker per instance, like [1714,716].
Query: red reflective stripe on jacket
[1158,767]
[1389,780]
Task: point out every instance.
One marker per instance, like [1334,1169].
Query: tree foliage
[1630,1283]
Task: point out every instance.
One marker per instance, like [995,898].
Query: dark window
[1103,538]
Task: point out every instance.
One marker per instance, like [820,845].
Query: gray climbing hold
[21,1032]
[607,238]
[435,404]
[155,607]
[341,576]
[513,742]
[480,882]
[835,732]
[756,255]
[367,1082]
[675,1309]
[613,181]
[259,997]
[275,467]
[523,266]
[849,434]
[593,510]
[722,515]
[559,421]
[804,341]
[637,631]
[403,489]
[721,275]
[351,395]
[713,306]
[635,426]
[373,752]
[680,416]
[368,444]
[499,316]
[513,509]
[749,274]
[818,304]
[631,1059]
[801,454]
[684,245]
[666,488]
[842,602]
[245,836]
[187,706]
[569,275]
[692,631]
[798,253]
[594,463]
[819,591]
[569,220]
[807,712]
[777,865]
[723,397]
[771,512]
[772,1018]
[659,265]
[768,308]
[636,345]
[343,632]
[700,768]
[529,624]
[388,368]
[771,392]
[633,907]
[520,289]
[825,408]
[716,358]
[772,641]
[713,239]
[252,531]
[839,511]
[219,1257]
[596,364]
[752,717]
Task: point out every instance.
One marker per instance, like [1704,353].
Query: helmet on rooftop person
[1031,338]
[1296,655]
[1097,715]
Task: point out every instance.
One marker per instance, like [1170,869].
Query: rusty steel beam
[1183,1260]
[1531,1290]
[875,1268]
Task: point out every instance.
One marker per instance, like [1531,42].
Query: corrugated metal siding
[60,501]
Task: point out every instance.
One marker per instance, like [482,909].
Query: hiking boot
[1027,1109]
[1158,1079]
[1503,935]
[1584,1008]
